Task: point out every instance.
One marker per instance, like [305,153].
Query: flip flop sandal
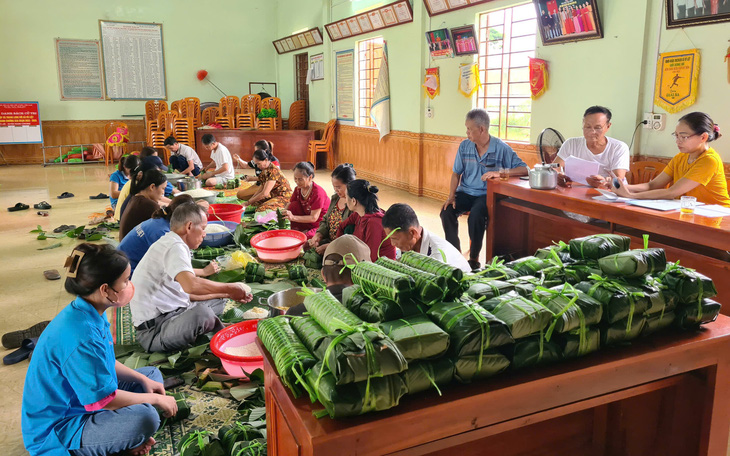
[18,207]
[15,338]
[42,205]
[61,229]
[26,348]
[66,195]
[51,274]
[100,196]
[43,213]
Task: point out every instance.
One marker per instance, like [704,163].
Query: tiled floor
[27,297]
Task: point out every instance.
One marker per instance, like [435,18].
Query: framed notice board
[134,60]
[20,123]
[79,69]
[345,85]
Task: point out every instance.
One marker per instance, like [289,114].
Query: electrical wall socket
[429,113]
[658,122]
[648,118]
[332,108]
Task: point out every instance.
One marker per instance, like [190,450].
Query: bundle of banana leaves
[312,259]
[424,375]
[417,337]
[526,285]
[620,300]
[529,265]
[688,318]
[200,443]
[598,246]
[377,309]
[488,288]
[230,434]
[624,330]
[496,270]
[208,253]
[378,281]
[430,288]
[634,263]
[452,275]
[533,351]
[522,316]
[579,342]
[481,365]
[561,249]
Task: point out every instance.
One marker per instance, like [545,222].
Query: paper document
[712,210]
[607,199]
[578,169]
[659,205]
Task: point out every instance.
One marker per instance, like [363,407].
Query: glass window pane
[519,75]
[518,120]
[518,134]
[519,89]
[493,76]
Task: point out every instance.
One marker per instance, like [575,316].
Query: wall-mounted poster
[344,79]
[344,29]
[376,19]
[568,20]
[435,7]
[316,64]
[683,13]
[389,16]
[79,69]
[354,26]
[676,81]
[465,41]
[439,44]
[456,4]
[334,32]
[364,23]
[403,12]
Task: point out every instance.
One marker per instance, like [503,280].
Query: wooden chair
[298,115]
[151,110]
[227,111]
[110,128]
[324,145]
[209,115]
[641,172]
[272,103]
[250,108]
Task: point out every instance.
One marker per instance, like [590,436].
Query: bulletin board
[345,85]
[79,69]
[134,63]
[20,123]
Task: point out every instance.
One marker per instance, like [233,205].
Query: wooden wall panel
[63,132]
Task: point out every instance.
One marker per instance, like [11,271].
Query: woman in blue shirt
[77,398]
[127,164]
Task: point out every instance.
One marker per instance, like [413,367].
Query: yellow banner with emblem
[677,79]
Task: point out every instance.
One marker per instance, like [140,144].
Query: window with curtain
[507,39]
[369,57]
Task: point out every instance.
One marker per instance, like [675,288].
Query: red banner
[19,114]
[538,77]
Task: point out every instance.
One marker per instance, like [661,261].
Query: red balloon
[202,74]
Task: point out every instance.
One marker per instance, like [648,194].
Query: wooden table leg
[716,419]
[491,212]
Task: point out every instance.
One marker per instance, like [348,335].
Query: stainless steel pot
[189,183]
[544,176]
[281,301]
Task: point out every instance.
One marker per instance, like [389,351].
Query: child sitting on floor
[77,397]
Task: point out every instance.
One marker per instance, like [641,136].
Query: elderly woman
[697,170]
[308,202]
[612,154]
[274,191]
[262,144]
[338,210]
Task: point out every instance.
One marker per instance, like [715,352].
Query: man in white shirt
[222,162]
[408,234]
[171,307]
[612,154]
[183,158]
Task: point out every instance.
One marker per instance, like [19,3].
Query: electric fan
[548,143]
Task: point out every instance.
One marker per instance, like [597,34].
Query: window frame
[366,76]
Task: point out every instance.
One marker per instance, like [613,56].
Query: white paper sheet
[611,200]
[578,169]
[712,210]
[659,205]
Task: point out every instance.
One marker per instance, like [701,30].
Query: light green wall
[226,37]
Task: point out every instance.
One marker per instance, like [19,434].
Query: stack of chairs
[250,108]
[298,115]
[152,109]
[188,121]
[209,115]
[166,121]
[175,106]
[227,111]
[273,123]
[324,145]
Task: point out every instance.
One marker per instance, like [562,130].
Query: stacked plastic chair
[175,106]
[165,127]
[250,108]
[209,115]
[270,123]
[227,110]
[152,109]
[188,121]
[324,145]
[298,115]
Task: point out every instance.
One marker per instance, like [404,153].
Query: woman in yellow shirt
[696,171]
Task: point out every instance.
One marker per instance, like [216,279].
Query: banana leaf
[658,322]
[311,334]
[471,329]
[199,263]
[200,443]
[487,289]
[579,271]
[688,318]
[376,310]
[312,259]
[417,337]
[598,246]
[573,309]
[533,351]
[522,316]
[376,394]
[622,331]
[634,263]
[423,375]
[659,301]
[690,285]
[229,434]
[348,293]
[495,270]
[561,249]
[619,299]
[228,276]
[183,409]
[529,265]
[526,285]
[256,447]
[576,343]
[474,367]
[291,357]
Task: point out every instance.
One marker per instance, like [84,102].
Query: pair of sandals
[24,340]
[43,205]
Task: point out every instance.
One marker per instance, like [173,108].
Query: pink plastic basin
[225,212]
[237,335]
[278,246]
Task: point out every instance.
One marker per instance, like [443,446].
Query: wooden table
[521,220]
[290,146]
[661,396]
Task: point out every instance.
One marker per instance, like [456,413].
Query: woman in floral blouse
[337,212]
[274,190]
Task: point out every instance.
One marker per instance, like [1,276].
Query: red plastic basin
[225,212]
[237,335]
[278,246]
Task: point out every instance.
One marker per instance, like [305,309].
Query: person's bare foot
[142,449]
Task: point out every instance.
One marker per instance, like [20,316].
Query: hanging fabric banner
[677,79]
[432,83]
[380,109]
[469,79]
[538,77]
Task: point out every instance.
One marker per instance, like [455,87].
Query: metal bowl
[189,183]
[210,198]
[174,178]
[281,301]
